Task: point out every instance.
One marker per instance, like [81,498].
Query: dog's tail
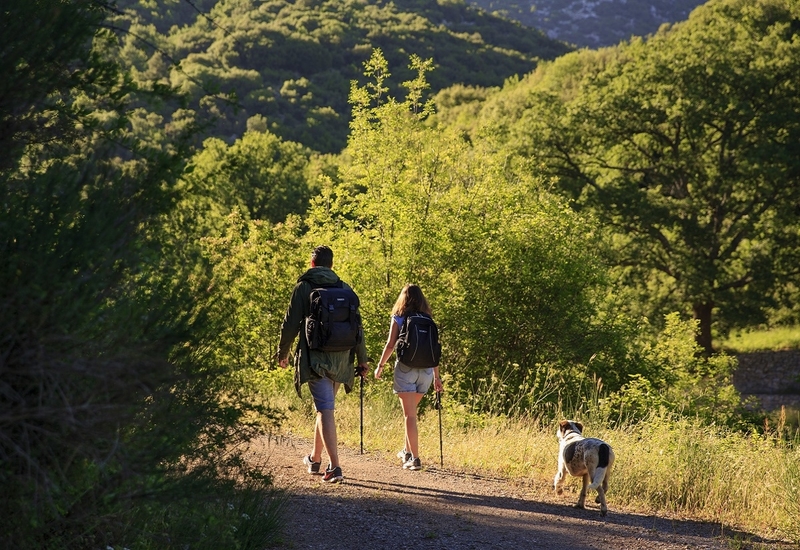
[603,453]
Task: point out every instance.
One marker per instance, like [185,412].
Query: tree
[45,55]
[107,389]
[511,272]
[260,175]
[686,146]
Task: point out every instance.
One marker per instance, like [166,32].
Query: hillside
[592,23]
[290,64]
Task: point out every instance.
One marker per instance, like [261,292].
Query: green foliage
[672,144]
[292,62]
[259,175]
[207,517]
[46,54]
[680,381]
[249,289]
[107,391]
[510,270]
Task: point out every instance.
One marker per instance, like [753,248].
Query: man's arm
[292,323]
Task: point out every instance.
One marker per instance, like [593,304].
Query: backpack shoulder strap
[337,284]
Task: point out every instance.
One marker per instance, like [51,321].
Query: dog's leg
[608,474]
[604,461]
[558,481]
[601,500]
[603,489]
[598,478]
[603,486]
[582,497]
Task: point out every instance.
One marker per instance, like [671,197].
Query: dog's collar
[572,436]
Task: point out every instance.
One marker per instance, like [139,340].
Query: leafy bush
[110,406]
[680,379]
[254,266]
[259,175]
[513,275]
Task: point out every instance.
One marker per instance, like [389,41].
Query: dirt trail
[380,505]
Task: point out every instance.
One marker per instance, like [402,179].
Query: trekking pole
[362,414]
[437,404]
[362,372]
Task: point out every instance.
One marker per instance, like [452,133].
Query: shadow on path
[386,507]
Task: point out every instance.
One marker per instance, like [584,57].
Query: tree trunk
[702,312]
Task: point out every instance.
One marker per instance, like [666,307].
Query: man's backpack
[333,323]
[418,343]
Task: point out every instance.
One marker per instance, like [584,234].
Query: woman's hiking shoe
[413,464]
[332,475]
[313,467]
[404,457]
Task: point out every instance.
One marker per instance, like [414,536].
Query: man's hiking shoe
[333,475]
[404,457]
[313,467]
[413,464]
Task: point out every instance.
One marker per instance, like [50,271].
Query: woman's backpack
[418,343]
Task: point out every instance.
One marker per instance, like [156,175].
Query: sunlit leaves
[259,175]
[683,145]
[510,271]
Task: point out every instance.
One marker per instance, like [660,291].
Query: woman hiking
[411,383]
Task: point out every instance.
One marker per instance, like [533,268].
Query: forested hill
[593,23]
[291,62]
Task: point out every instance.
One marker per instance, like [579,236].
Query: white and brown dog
[589,458]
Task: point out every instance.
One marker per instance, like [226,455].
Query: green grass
[247,518]
[665,465]
[780,338]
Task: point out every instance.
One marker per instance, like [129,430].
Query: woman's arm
[394,332]
[437,381]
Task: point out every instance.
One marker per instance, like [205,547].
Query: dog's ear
[579,426]
[563,426]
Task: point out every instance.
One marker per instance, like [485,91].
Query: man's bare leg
[326,432]
[319,446]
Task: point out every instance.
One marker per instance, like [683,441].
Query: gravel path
[380,505]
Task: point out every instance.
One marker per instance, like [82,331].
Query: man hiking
[323,310]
